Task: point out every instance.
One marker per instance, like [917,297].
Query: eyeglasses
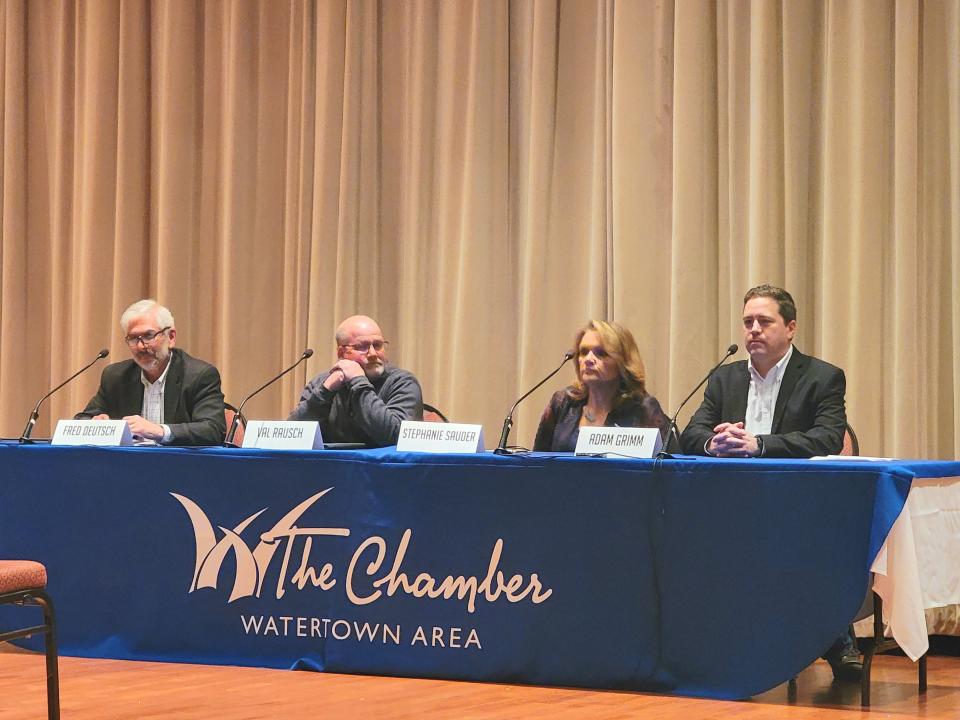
[146,338]
[364,347]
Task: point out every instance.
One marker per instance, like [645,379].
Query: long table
[717,578]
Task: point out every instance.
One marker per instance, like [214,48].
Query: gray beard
[157,362]
[375,372]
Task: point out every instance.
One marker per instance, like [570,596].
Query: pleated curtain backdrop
[482,177]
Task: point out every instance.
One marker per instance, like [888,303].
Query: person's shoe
[846,666]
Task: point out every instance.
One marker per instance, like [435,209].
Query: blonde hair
[619,344]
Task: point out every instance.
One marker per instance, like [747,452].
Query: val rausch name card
[431,437]
[629,442]
[283,435]
[106,433]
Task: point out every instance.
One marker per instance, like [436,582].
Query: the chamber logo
[368,577]
[251,566]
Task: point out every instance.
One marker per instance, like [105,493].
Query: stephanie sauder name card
[106,433]
[283,435]
[631,442]
[431,437]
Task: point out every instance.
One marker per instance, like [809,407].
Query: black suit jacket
[809,418]
[192,399]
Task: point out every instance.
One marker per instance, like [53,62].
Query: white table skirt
[918,567]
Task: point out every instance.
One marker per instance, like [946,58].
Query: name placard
[629,442]
[283,435]
[107,433]
[429,437]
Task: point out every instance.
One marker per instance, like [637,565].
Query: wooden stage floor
[108,689]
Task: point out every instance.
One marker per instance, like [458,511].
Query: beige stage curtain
[482,177]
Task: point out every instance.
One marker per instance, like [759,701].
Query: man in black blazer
[780,403]
[164,394]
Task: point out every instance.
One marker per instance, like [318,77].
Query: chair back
[851,446]
[230,412]
[432,414]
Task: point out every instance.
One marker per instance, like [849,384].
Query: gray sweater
[362,410]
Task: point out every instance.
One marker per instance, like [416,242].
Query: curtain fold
[482,177]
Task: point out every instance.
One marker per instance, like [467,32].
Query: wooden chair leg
[922,673]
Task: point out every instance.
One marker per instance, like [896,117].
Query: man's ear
[341,351]
[172,335]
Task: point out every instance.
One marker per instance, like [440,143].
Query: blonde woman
[610,390]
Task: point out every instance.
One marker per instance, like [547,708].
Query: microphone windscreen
[103,353]
[733,349]
[307,354]
[569,354]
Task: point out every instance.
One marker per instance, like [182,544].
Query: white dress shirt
[152,409]
[762,396]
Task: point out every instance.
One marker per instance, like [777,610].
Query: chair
[230,412]
[851,446]
[431,414]
[23,582]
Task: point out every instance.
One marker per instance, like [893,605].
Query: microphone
[508,421]
[28,430]
[673,431]
[228,441]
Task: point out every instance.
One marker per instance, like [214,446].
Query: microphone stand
[28,430]
[508,421]
[228,441]
[673,430]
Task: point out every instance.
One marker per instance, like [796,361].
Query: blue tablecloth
[718,578]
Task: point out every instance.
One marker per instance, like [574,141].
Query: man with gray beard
[164,395]
[362,398]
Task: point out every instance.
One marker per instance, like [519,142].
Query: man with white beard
[162,393]
[362,398]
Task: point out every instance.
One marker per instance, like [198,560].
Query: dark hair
[788,309]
